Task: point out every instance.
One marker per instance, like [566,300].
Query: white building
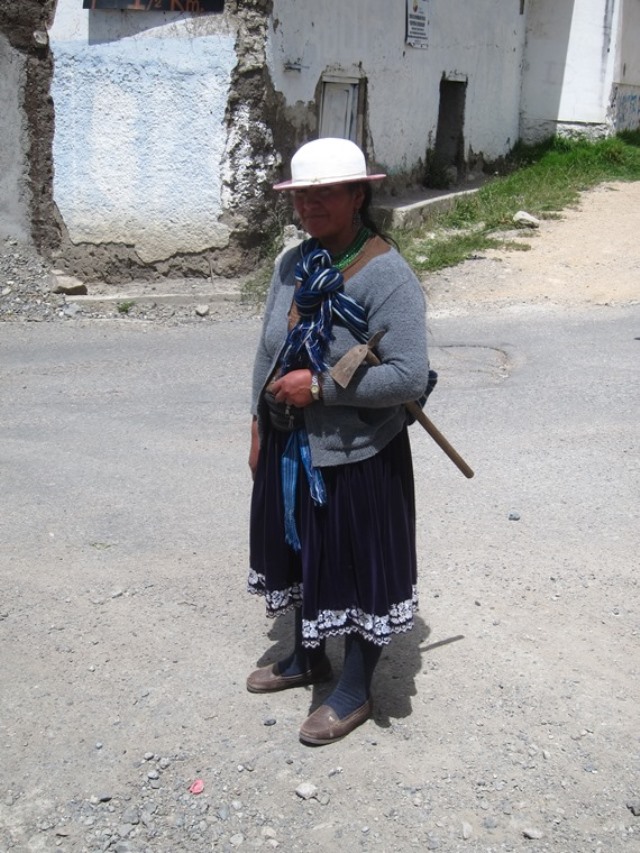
[582,68]
[170,126]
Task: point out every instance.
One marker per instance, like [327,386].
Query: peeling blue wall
[140,140]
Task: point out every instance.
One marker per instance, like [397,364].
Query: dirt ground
[506,721]
[589,256]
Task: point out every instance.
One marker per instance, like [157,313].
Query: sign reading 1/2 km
[157,5]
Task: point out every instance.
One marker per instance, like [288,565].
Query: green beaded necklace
[342,260]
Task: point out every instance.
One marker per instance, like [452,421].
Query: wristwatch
[315,387]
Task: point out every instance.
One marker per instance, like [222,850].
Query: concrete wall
[140,100]
[626,96]
[570,65]
[481,43]
[629,62]
[14,184]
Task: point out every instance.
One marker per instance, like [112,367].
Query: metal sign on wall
[157,5]
[417,19]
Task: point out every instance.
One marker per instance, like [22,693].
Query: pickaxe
[343,371]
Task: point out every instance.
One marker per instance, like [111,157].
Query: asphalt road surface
[126,629]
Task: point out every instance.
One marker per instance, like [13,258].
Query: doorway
[449,148]
[341,108]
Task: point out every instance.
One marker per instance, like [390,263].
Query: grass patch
[542,180]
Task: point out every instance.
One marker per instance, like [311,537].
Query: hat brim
[299,185]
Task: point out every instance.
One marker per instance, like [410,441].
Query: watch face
[315,387]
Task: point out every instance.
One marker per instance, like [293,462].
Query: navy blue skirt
[356,571]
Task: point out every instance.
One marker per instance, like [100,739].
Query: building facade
[157,129]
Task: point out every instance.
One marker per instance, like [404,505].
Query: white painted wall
[481,42]
[140,138]
[629,64]
[14,186]
[570,65]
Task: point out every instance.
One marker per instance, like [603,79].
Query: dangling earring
[356,220]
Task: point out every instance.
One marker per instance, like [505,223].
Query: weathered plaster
[366,40]
[625,107]
[140,133]
[14,186]
[27,123]
[628,72]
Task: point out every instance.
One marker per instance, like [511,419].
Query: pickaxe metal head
[343,370]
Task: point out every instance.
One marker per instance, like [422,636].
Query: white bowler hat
[327,161]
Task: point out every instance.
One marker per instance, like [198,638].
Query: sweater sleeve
[262,361]
[395,302]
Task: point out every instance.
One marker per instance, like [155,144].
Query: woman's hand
[293,389]
[254,452]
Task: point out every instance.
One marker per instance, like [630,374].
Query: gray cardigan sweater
[353,423]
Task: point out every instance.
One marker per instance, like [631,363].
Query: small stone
[634,807]
[153,774]
[269,721]
[306,790]
[467,830]
[202,310]
[146,817]
[149,756]
[533,833]
[164,763]
[525,220]
[490,823]
[131,816]
[236,840]
[117,593]
[514,516]
[41,38]
[68,285]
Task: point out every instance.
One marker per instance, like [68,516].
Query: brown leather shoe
[267,679]
[324,726]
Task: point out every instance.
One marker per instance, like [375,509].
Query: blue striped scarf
[321,301]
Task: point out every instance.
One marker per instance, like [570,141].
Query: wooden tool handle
[416,412]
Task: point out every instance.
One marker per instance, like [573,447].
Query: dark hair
[366,217]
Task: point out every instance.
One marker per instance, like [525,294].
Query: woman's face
[327,213]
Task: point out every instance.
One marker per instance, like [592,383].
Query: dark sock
[354,687]
[301,659]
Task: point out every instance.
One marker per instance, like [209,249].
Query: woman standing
[332,512]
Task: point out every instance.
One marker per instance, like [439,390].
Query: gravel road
[506,721]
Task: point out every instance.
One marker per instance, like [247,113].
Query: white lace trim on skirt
[376,629]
